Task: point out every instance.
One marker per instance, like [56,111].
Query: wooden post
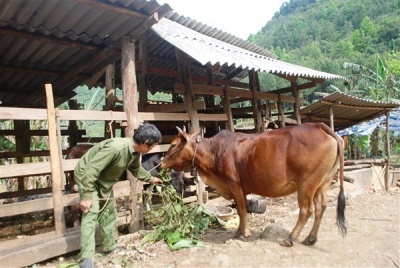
[56,169]
[22,144]
[110,98]
[228,111]
[72,126]
[254,87]
[186,79]
[331,118]
[281,111]
[295,93]
[202,195]
[387,169]
[143,76]
[129,88]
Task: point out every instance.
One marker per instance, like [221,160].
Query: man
[98,170]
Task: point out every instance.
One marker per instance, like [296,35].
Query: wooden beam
[31,169]
[174,107]
[46,39]
[28,154]
[112,8]
[103,55]
[213,117]
[38,132]
[10,113]
[289,89]
[232,92]
[95,78]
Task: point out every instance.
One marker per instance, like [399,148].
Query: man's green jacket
[104,164]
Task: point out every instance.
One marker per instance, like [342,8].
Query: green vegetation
[325,34]
[179,225]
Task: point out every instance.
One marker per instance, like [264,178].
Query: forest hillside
[357,39]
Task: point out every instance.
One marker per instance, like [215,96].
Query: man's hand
[157,180]
[85,205]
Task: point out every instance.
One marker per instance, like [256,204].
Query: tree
[381,84]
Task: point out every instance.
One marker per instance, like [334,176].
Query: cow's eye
[173,145]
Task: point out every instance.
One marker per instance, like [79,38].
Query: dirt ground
[373,239]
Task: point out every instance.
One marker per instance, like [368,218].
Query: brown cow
[302,158]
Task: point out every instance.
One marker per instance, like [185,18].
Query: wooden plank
[91,115]
[200,89]
[38,132]
[163,117]
[11,113]
[30,169]
[121,188]
[213,117]
[28,154]
[55,162]
[174,107]
[34,252]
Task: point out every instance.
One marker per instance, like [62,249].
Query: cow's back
[274,163]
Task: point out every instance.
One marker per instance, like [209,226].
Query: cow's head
[180,153]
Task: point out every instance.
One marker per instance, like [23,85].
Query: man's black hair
[147,133]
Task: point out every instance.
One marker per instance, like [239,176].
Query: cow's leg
[320,207]
[305,200]
[240,200]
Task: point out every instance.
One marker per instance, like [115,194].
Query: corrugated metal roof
[42,40]
[219,34]
[67,42]
[347,110]
[207,50]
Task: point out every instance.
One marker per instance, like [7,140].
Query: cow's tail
[341,206]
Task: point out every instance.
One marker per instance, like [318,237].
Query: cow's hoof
[309,241]
[244,238]
[287,242]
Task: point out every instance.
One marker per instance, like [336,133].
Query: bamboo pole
[387,169]
[56,169]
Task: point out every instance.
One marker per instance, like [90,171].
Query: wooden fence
[33,249]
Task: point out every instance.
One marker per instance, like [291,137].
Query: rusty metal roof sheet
[347,110]
[207,50]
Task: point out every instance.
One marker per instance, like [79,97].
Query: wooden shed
[48,48]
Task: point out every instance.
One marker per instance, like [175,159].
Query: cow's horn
[180,130]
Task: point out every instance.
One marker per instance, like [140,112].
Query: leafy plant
[179,225]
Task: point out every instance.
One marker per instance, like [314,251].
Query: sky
[240,18]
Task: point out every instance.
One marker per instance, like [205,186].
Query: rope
[105,204]
[109,126]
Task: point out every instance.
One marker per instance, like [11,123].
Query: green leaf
[158,188]
[67,265]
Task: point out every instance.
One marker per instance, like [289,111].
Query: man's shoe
[86,263]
